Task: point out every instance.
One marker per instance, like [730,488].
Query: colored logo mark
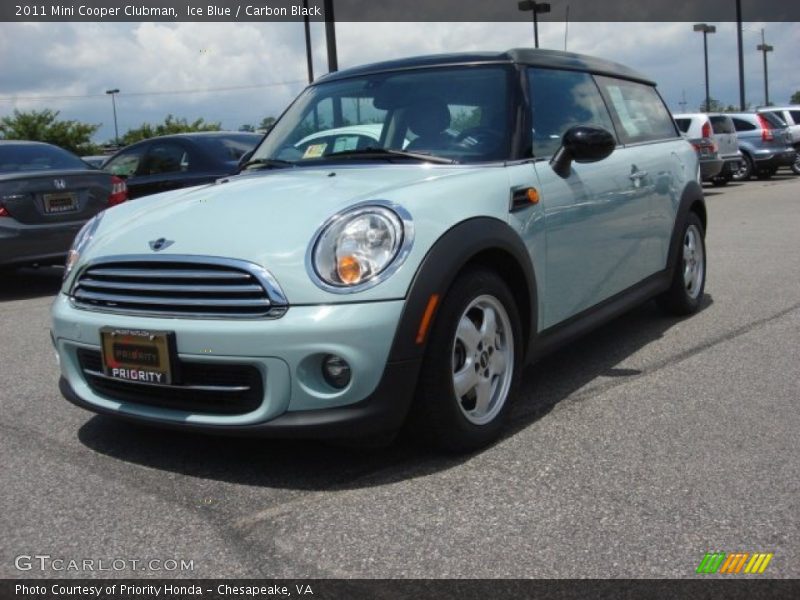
[735,562]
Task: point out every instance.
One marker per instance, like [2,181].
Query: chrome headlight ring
[389,236]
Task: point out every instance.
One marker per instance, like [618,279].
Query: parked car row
[738,146]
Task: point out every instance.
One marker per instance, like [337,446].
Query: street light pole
[764,48]
[535,8]
[330,36]
[740,45]
[113,94]
[706,29]
[307,27]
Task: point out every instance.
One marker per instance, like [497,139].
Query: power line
[159,93]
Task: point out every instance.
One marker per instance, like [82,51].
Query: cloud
[85,59]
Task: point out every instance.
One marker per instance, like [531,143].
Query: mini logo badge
[60,184]
[160,244]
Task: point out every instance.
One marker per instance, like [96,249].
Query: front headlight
[81,241]
[359,248]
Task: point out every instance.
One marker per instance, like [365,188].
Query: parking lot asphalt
[632,452]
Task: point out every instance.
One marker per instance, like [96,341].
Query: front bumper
[286,351]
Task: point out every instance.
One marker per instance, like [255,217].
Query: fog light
[336,371]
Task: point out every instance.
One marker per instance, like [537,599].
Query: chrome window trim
[279,304]
[391,268]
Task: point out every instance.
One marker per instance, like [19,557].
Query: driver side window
[560,100]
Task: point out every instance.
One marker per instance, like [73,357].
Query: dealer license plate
[138,356]
[60,203]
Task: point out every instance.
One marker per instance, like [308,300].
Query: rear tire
[796,164]
[719,180]
[745,170]
[689,278]
[471,366]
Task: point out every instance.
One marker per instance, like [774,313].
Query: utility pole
[764,48]
[330,37]
[706,29]
[307,28]
[741,53]
[535,8]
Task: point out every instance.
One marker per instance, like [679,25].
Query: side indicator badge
[523,198]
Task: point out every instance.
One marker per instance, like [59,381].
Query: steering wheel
[479,138]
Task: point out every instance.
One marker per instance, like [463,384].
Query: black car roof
[553,59]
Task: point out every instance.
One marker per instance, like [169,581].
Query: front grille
[183,286]
[224,389]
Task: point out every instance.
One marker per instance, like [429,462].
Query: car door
[595,219]
[127,164]
[169,165]
[660,160]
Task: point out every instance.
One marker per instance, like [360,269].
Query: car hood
[266,218]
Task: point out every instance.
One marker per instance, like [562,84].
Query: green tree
[795,99]
[45,126]
[267,123]
[170,125]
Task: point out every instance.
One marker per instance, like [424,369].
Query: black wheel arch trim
[475,239]
[691,199]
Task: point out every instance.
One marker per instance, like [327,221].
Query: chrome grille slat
[164,287]
[178,286]
[171,274]
[158,300]
[232,389]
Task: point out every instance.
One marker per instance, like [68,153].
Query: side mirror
[583,145]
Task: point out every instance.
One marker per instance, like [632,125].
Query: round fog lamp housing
[336,371]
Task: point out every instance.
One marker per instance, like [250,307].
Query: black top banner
[400,10]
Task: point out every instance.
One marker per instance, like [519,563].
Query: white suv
[719,128]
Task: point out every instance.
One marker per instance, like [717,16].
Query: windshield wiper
[266,163]
[372,152]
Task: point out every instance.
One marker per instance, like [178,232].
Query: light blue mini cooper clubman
[408,236]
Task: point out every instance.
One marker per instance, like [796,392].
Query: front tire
[796,164]
[471,366]
[689,279]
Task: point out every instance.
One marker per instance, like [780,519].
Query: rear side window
[228,148]
[722,124]
[36,157]
[560,100]
[742,125]
[638,111]
[795,116]
[774,120]
[683,124]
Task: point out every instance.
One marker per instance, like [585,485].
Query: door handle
[637,175]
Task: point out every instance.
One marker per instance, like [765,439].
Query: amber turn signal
[533,195]
[349,269]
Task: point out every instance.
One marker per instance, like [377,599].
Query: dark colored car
[46,195]
[182,160]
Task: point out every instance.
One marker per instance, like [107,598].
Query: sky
[239,73]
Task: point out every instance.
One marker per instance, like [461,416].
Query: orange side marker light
[427,317]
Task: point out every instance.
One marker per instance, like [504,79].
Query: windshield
[457,113]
